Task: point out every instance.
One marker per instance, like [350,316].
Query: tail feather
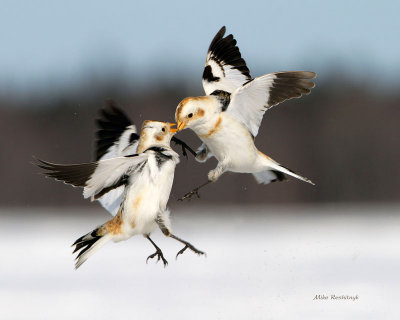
[88,245]
[269,176]
[293,174]
[274,166]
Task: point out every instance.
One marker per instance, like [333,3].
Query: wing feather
[74,174]
[249,102]
[109,172]
[116,135]
[111,201]
[225,68]
[97,177]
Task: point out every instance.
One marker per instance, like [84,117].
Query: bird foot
[190,194]
[189,246]
[159,256]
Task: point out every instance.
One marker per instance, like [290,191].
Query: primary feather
[96,177]
[225,68]
[117,137]
[249,102]
[228,118]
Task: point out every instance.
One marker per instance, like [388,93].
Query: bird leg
[167,232]
[213,176]
[184,147]
[195,191]
[158,253]
[202,153]
[187,246]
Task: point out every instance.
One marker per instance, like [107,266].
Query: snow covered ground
[262,263]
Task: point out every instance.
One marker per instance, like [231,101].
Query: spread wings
[249,102]
[225,68]
[117,137]
[115,154]
[97,178]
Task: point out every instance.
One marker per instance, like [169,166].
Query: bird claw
[190,194]
[159,255]
[189,246]
[184,147]
[184,153]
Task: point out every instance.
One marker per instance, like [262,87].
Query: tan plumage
[227,119]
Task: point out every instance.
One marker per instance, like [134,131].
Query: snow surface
[262,263]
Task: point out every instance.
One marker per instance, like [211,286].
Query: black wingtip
[111,123]
[74,174]
[222,31]
[34,160]
[219,35]
[290,84]
[225,49]
[41,164]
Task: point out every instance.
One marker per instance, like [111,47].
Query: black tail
[88,245]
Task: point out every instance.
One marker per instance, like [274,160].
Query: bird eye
[190,115]
[163,129]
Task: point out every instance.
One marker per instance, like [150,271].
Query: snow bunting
[146,178]
[117,137]
[227,119]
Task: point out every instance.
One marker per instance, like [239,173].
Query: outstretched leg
[163,222]
[195,191]
[158,252]
[184,147]
[213,176]
[187,246]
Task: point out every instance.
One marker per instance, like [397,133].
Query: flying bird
[228,118]
[116,136]
[146,179]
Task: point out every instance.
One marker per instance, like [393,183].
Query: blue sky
[56,42]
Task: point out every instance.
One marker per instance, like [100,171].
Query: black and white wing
[249,102]
[116,137]
[96,178]
[225,68]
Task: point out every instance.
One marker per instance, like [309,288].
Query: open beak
[172,129]
[181,125]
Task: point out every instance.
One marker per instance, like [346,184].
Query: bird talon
[184,153]
[197,251]
[181,251]
[159,255]
[190,195]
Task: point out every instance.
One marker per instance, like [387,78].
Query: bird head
[194,112]
[155,133]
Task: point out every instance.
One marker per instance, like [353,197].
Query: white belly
[146,198]
[234,144]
